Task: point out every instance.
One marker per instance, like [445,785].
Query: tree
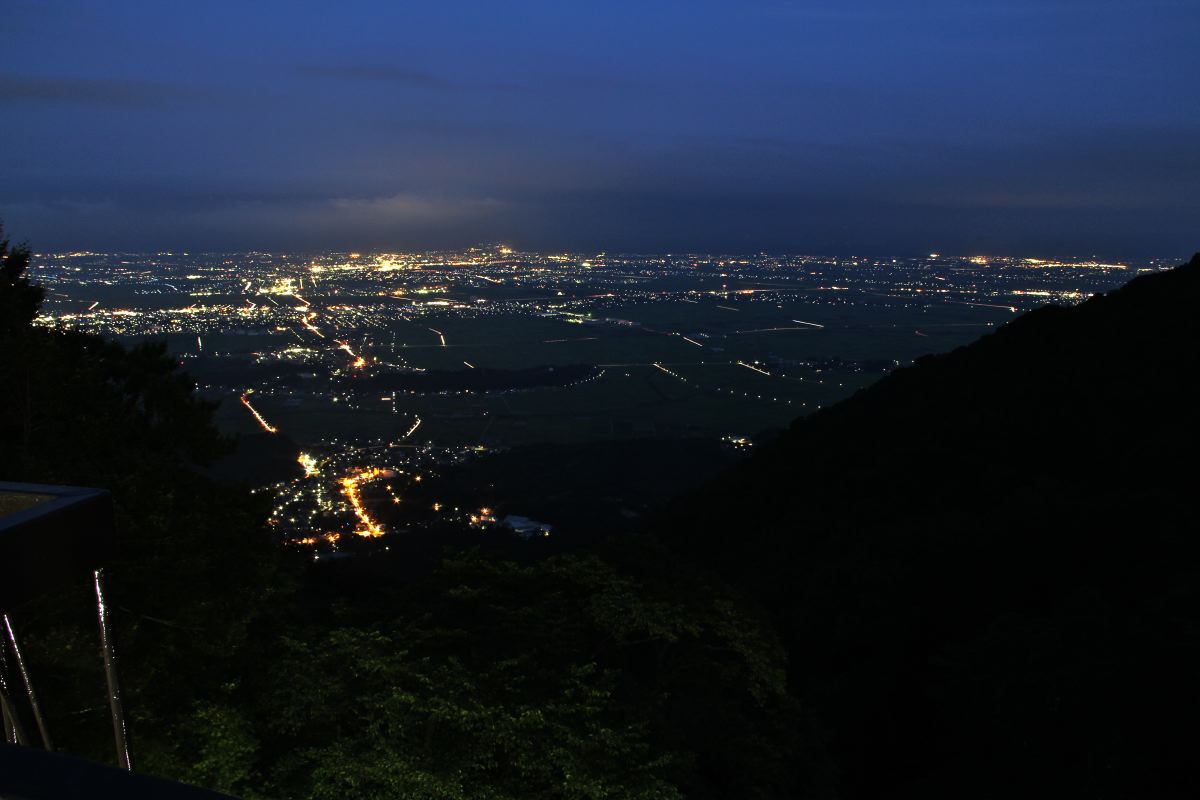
[194,566]
[19,300]
[568,678]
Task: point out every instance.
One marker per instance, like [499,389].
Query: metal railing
[50,537]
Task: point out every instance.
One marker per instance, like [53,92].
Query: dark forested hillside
[985,566]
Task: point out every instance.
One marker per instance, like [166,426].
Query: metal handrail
[51,536]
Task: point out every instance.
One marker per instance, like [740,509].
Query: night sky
[1039,127]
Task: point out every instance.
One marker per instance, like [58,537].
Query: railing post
[14,732]
[110,674]
[24,670]
[10,732]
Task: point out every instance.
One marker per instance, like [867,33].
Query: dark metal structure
[29,774]
[50,537]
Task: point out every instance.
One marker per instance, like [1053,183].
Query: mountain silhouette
[985,566]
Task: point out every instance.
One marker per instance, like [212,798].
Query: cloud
[888,12]
[1130,169]
[558,82]
[404,209]
[400,76]
[404,217]
[256,221]
[27,17]
[15,88]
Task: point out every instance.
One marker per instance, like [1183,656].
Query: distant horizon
[518,251]
[1187,245]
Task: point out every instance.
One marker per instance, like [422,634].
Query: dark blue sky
[1031,127]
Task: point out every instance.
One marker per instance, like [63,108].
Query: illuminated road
[359,361]
[750,366]
[669,372]
[266,426]
[771,330]
[1013,309]
[307,322]
[367,527]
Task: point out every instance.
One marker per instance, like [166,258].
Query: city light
[368,331]
[309,464]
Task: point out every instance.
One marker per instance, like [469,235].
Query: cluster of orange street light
[367,527]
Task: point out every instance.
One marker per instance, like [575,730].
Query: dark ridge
[585,490]
[985,565]
[259,459]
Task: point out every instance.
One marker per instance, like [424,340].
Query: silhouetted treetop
[19,300]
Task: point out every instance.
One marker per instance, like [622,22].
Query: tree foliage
[568,678]
[19,299]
